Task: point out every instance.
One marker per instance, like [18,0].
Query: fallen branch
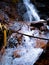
[29,35]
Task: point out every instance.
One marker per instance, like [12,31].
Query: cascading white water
[31,11]
[26,51]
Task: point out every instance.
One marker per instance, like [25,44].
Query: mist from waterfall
[31,11]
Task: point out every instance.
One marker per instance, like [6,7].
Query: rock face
[42,7]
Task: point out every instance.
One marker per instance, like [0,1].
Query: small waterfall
[31,11]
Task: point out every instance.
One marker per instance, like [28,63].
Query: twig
[30,35]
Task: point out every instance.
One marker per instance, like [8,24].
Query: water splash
[31,11]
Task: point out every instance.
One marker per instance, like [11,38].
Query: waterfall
[31,11]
